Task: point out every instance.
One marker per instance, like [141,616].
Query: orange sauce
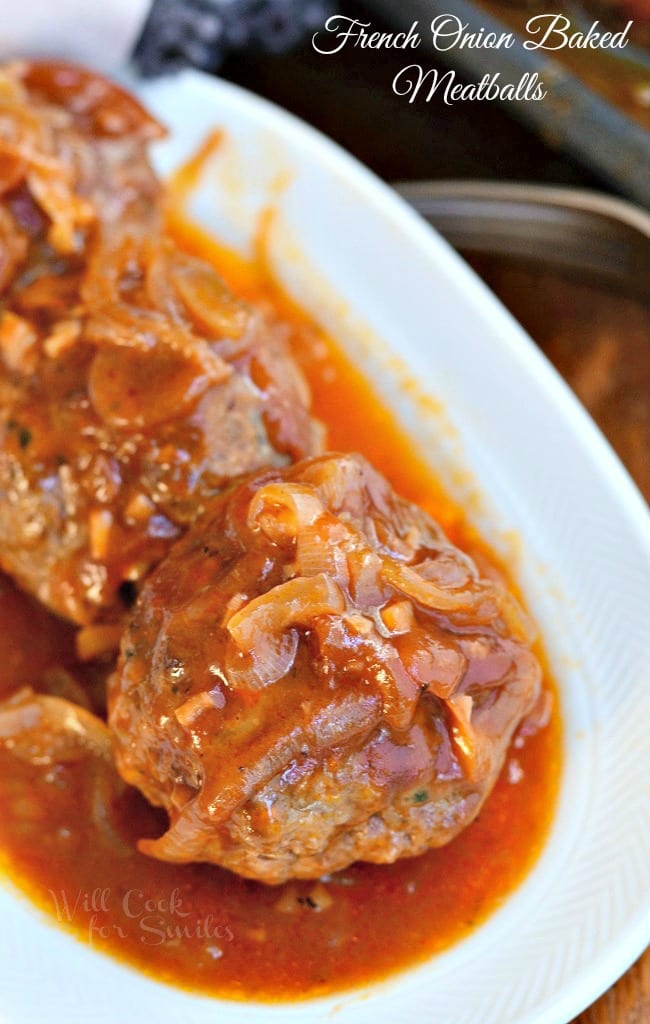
[203,928]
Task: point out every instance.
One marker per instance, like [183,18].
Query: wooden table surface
[350,99]
[627,1002]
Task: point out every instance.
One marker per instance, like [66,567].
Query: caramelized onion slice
[340,721]
[518,623]
[48,730]
[271,659]
[132,389]
[44,730]
[263,630]
[427,593]
[67,211]
[211,305]
[122,319]
[377,660]
[295,603]
[338,481]
[281,511]
[435,664]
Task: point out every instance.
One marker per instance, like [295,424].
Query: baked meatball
[316,675]
[133,385]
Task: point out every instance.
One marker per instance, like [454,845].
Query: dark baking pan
[578,230]
[574,268]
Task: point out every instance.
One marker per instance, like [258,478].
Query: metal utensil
[572,228]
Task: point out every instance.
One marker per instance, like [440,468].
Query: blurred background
[597,108]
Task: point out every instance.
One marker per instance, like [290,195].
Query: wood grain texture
[627,1002]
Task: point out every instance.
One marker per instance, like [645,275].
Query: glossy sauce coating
[315,676]
[119,419]
[203,928]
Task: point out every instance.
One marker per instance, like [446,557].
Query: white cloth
[96,32]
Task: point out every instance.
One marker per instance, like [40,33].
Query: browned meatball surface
[133,385]
[315,675]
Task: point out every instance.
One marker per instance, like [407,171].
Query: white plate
[388,286]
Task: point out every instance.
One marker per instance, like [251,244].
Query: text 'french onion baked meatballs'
[316,675]
[133,385]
